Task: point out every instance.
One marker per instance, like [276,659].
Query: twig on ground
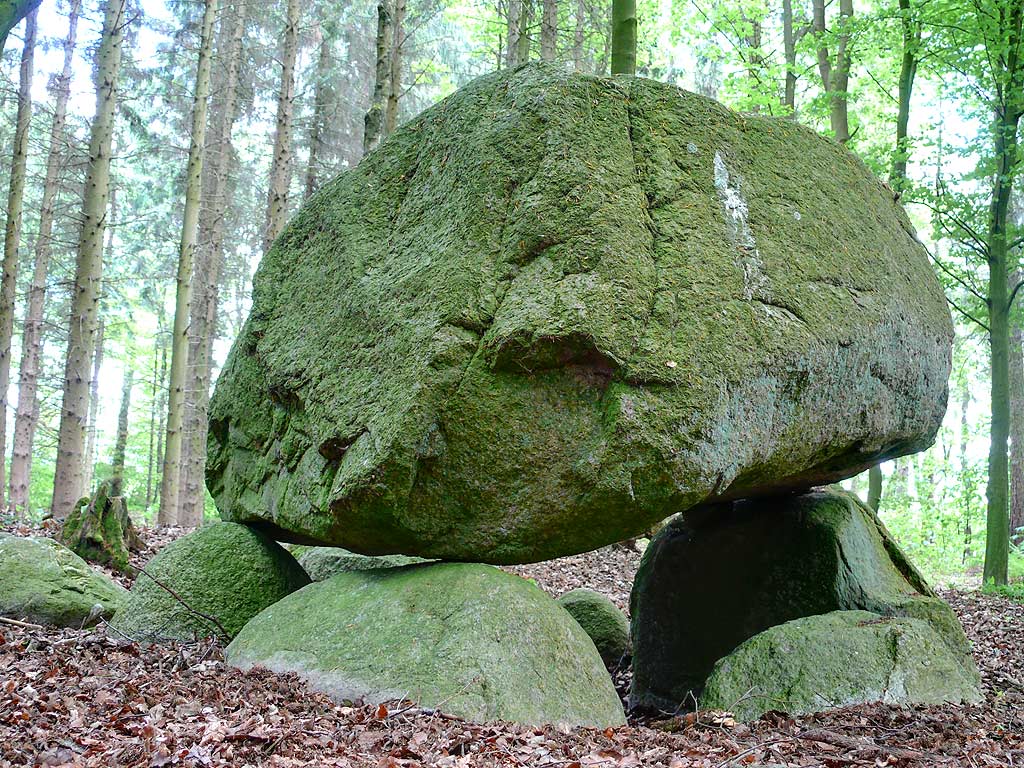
[23,624]
[212,619]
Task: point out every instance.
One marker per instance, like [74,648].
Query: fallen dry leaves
[72,698]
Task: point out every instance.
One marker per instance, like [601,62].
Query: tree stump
[100,529]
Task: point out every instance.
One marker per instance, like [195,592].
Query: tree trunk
[121,441]
[579,35]
[88,268]
[966,479]
[281,165]
[1016,363]
[549,30]
[321,92]
[395,76]
[835,78]
[373,123]
[171,501]
[206,275]
[789,53]
[875,487]
[26,418]
[94,407]
[623,37]
[12,230]
[908,71]
[515,12]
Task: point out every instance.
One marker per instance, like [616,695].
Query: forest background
[300,89]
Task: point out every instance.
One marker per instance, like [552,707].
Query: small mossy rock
[601,619]
[323,562]
[467,638]
[555,309]
[226,571]
[46,583]
[713,578]
[837,659]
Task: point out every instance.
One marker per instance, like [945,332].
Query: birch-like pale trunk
[27,415]
[171,506]
[12,229]
[206,275]
[281,164]
[67,486]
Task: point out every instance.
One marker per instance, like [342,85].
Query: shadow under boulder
[720,575]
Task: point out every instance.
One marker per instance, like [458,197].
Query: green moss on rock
[836,659]
[714,577]
[555,309]
[469,639]
[226,571]
[601,619]
[45,583]
[323,562]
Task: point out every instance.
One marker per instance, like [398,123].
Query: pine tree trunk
[172,501]
[121,441]
[26,418]
[94,407]
[549,30]
[578,35]
[373,123]
[623,37]
[395,76]
[321,90]
[515,33]
[152,423]
[281,165]
[206,275]
[12,230]
[88,268]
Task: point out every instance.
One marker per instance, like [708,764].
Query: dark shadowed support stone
[556,308]
[716,577]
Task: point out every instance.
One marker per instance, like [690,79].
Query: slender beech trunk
[281,165]
[373,123]
[121,441]
[1016,362]
[525,20]
[395,75]
[875,487]
[789,53]
[94,407]
[26,419]
[835,77]
[908,71]
[12,230]
[578,35]
[172,501]
[623,37]
[549,30]
[966,479]
[206,275]
[515,32]
[322,93]
[88,268]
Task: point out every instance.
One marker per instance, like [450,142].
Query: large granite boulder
[208,583]
[715,577]
[836,659]
[469,639]
[555,309]
[45,583]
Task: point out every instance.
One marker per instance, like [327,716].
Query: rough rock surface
[224,571]
[714,577]
[478,642]
[836,659]
[606,625]
[557,308]
[45,583]
[323,562]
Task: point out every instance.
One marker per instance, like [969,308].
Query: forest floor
[88,698]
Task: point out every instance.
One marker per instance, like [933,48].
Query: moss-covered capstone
[601,619]
[45,583]
[469,639]
[323,562]
[715,577]
[836,659]
[555,309]
[221,575]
